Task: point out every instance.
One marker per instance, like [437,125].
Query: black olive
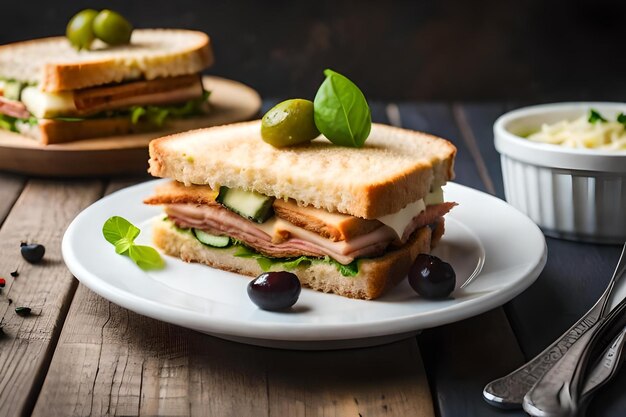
[33,252]
[274,290]
[431,277]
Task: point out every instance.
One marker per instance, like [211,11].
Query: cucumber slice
[211,240]
[13,90]
[254,206]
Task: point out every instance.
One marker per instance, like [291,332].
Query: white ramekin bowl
[575,194]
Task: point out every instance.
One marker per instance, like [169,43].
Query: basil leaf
[145,257]
[122,233]
[621,118]
[117,228]
[594,117]
[341,112]
[122,245]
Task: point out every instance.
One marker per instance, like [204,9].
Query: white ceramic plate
[495,250]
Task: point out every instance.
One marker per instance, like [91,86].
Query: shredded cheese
[580,133]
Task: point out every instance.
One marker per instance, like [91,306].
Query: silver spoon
[508,392]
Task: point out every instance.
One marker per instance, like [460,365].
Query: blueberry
[33,252]
[274,290]
[431,277]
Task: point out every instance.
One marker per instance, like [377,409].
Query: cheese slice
[434,197]
[45,105]
[400,220]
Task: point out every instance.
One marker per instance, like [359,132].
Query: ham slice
[282,239]
[138,93]
[276,237]
[426,217]
[13,108]
[294,231]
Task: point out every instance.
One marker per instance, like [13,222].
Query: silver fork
[508,392]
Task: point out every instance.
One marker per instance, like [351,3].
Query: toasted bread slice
[375,275]
[394,168]
[55,65]
[173,192]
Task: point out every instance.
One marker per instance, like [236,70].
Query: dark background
[423,50]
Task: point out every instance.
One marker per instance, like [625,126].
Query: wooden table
[80,355]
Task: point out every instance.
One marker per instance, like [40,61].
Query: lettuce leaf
[266,262]
[156,115]
[10,123]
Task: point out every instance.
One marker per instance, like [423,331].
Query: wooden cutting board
[231,102]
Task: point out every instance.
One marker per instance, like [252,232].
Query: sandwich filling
[23,106]
[294,231]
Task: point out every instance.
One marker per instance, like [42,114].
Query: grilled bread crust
[55,65]
[375,275]
[394,168]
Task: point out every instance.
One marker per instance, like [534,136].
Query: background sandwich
[54,93]
[345,220]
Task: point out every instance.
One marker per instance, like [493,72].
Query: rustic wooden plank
[385,380]
[41,214]
[478,119]
[463,357]
[10,188]
[110,361]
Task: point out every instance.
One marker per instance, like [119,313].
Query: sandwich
[349,221]
[54,93]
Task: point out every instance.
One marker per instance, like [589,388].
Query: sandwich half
[54,93]
[344,220]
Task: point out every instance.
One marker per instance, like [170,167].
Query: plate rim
[296,331]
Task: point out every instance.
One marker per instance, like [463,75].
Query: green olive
[79,30]
[112,28]
[289,123]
